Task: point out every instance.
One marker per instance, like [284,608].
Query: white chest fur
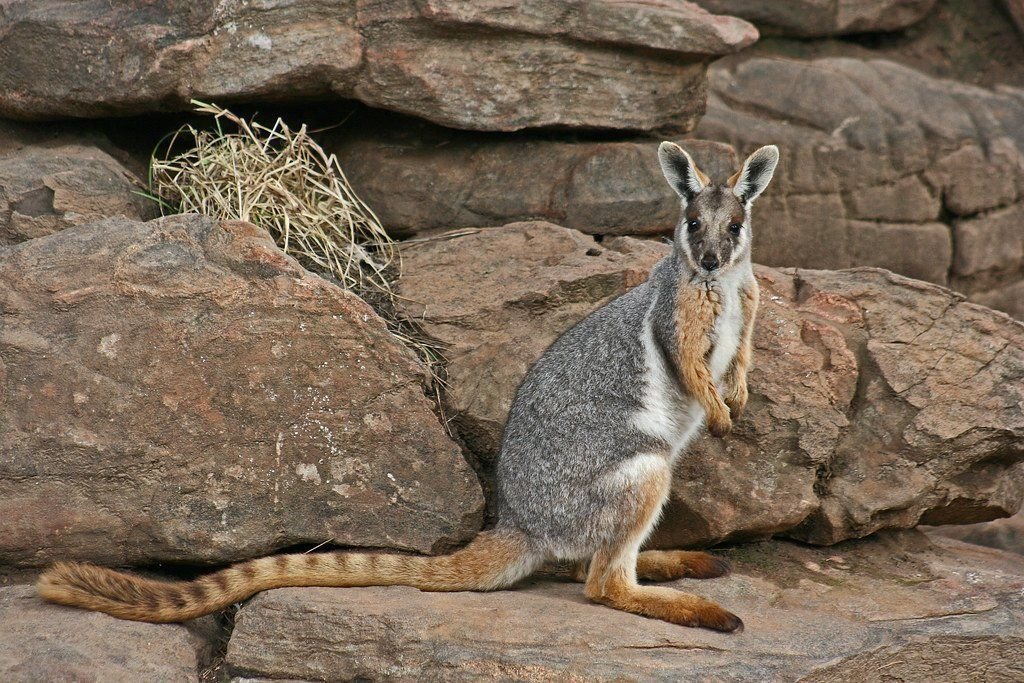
[668,414]
[728,328]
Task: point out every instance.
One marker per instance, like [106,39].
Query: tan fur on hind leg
[668,565]
[612,577]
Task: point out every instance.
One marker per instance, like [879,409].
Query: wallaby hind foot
[667,565]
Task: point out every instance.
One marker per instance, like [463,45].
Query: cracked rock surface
[479,66]
[895,168]
[181,390]
[44,642]
[876,401]
[897,604]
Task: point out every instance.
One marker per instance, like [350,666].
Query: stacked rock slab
[51,178]
[877,401]
[420,177]
[473,65]
[894,168]
[892,606]
[182,391]
[821,18]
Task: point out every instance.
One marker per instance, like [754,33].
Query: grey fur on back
[571,420]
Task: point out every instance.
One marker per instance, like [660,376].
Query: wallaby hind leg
[666,565]
[612,577]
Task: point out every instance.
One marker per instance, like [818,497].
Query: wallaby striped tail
[494,559]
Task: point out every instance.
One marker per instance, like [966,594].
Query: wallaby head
[714,231]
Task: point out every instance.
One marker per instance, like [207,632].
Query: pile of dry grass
[283,181]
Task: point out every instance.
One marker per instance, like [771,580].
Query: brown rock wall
[181,391]
[607,65]
[877,401]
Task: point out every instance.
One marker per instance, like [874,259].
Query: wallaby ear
[680,171]
[757,171]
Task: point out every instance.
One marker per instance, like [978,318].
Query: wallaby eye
[692,225]
[735,228]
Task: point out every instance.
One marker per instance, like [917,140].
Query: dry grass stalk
[283,181]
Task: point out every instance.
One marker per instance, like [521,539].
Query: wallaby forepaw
[719,424]
[736,400]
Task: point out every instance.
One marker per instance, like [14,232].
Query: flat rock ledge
[892,608]
[479,65]
[43,642]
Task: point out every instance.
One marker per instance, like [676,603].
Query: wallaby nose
[710,262]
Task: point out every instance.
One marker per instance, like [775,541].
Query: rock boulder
[181,391]
[895,169]
[877,401]
[1004,534]
[476,65]
[895,604]
[44,189]
[821,18]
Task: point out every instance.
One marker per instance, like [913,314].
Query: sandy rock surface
[898,605]
[180,390]
[43,642]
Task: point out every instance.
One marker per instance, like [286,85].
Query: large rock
[895,605]
[452,179]
[1015,8]
[877,401]
[1004,534]
[894,168]
[819,18]
[44,189]
[481,65]
[43,642]
[182,391]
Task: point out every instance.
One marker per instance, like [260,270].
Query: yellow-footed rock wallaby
[588,449]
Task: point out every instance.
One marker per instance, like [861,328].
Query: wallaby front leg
[695,319]
[736,379]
